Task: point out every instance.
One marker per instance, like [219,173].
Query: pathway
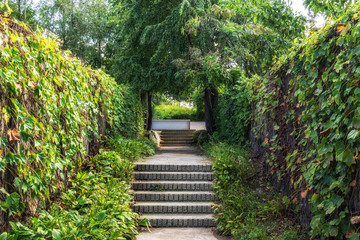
[173,190]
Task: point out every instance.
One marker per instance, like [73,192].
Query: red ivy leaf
[304,193]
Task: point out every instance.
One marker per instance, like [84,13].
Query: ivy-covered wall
[54,112]
[306,127]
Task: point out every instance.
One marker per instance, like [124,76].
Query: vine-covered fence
[306,127]
[54,111]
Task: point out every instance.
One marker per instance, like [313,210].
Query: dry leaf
[17,217]
[13,135]
[353,183]
[19,87]
[355,220]
[32,84]
[1,151]
[325,133]
[340,27]
[266,140]
[349,234]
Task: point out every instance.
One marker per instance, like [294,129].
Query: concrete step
[178,196]
[173,168]
[179,138]
[171,186]
[180,220]
[176,131]
[173,207]
[176,142]
[176,134]
[167,144]
[169,176]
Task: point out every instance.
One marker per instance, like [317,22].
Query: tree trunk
[150,112]
[211,102]
[144,106]
[19,9]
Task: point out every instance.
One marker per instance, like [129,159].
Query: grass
[247,207]
[175,111]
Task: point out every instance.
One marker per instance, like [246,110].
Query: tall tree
[175,46]
[81,25]
[23,10]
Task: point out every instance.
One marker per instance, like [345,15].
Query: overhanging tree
[175,46]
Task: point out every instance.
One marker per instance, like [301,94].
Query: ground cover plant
[97,205]
[248,208]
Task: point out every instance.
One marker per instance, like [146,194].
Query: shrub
[175,111]
[233,112]
[111,164]
[247,208]
[131,148]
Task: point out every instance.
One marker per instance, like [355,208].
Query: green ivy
[321,106]
[52,107]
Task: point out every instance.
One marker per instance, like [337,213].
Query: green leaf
[3,142]
[101,216]
[353,134]
[347,158]
[56,234]
[3,236]
[10,158]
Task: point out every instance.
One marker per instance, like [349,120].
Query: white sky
[297,6]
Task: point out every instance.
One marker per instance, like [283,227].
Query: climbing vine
[54,112]
[308,120]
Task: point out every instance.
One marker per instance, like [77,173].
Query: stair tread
[172,182]
[175,173]
[175,192]
[173,203]
[178,216]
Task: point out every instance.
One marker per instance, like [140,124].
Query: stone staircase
[174,189]
[176,137]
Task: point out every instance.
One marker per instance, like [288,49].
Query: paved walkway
[181,156]
[180,234]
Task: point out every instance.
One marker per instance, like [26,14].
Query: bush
[233,112]
[175,111]
[131,148]
[111,164]
[247,208]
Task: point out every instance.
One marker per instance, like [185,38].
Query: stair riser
[182,223]
[176,135]
[156,197]
[173,168]
[173,209]
[176,131]
[176,144]
[176,138]
[174,176]
[172,187]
